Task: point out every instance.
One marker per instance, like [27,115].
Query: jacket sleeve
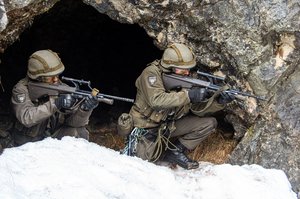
[80,118]
[151,85]
[25,111]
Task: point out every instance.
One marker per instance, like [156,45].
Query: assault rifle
[173,81]
[38,90]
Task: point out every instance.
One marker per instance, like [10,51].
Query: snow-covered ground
[75,168]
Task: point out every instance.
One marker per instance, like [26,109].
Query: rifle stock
[172,81]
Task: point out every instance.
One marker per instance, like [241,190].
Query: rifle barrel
[101,95]
[116,97]
[235,92]
[189,82]
[210,75]
[80,81]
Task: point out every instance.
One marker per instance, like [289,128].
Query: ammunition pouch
[153,115]
[146,117]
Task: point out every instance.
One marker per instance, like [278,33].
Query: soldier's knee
[66,132]
[80,132]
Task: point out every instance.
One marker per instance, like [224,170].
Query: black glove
[225,98]
[90,103]
[64,101]
[197,94]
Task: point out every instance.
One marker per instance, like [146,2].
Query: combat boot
[178,156]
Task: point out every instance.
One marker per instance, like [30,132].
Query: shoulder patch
[152,80]
[20,98]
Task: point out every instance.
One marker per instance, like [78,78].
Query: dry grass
[214,149]
[107,137]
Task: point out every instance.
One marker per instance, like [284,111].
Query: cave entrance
[92,47]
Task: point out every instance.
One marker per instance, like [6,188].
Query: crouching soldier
[47,116]
[164,125]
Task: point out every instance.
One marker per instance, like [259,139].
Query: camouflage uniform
[35,120]
[154,106]
[177,119]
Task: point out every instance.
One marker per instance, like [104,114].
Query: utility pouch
[125,124]
[158,116]
[149,113]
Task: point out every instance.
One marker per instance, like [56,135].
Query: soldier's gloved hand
[225,98]
[197,94]
[64,101]
[90,103]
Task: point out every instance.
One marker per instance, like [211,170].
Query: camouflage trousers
[190,130]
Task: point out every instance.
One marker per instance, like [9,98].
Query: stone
[254,43]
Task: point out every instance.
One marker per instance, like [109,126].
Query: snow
[75,168]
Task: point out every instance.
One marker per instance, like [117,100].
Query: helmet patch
[152,80]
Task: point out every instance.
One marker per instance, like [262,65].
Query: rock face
[255,43]
[16,16]
[3,16]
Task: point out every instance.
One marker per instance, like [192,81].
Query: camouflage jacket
[153,104]
[35,118]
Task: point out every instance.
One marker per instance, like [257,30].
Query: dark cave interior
[92,47]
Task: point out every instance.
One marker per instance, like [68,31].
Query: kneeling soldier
[160,115]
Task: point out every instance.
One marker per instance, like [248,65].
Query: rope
[132,141]
[161,141]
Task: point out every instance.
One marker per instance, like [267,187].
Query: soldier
[166,114]
[47,116]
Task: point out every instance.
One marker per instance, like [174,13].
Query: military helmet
[178,56]
[44,63]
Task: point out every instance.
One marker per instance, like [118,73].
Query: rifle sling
[212,98]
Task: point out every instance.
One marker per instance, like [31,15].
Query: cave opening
[91,46]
